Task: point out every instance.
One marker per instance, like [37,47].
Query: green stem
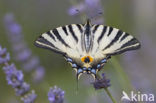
[108,92]
[110,95]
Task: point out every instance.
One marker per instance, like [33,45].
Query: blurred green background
[131,71]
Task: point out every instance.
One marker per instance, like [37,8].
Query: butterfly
[87,47]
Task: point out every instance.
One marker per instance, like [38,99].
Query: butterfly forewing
[64,40]
[110,41]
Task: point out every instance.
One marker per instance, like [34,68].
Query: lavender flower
[39,73]
[29,98]
[22,89]
[22,53]
[101,82]
[4,57]
[75,10]
[92,8]
[15,79]
[30,64]
[56,95]
[14,76]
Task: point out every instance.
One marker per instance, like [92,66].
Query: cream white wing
[111,41]
[65,40]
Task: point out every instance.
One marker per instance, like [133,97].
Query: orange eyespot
[87,59]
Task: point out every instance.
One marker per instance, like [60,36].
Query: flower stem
[105,88]
[110,95]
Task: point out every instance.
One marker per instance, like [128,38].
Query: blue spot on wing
[98,66]
[74,65]
[93,71]
[89,69]
[69,60]
[79,71]
[104,61]
[84,68]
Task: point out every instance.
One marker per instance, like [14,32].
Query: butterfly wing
[65,40]
[111,41]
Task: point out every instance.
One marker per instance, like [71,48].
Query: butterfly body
[87,47]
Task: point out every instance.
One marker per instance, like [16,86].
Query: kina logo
[138,96]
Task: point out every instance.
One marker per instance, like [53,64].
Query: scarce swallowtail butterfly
[87,47]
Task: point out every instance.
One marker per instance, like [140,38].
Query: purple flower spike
[29,98]
[22,52]
[39,74]
[92,8]
[75,10]
[102,82]
[23,89]
[24,55]
[15,79]
[4,57]
[13,27]
[56,95]
[13,76]
[31,64]
[2,51]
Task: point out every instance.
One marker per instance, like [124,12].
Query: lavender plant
[22,52]
[15,78]
[92,9]
[101,82]
[55,95]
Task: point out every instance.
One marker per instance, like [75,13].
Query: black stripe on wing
[49,33]
[56,33]
[65,30]
[110,31]
[102,34]
[41,42]
[125,36]
[114,40]
[95,28]
[79,27]
[132,44]
[72,32]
